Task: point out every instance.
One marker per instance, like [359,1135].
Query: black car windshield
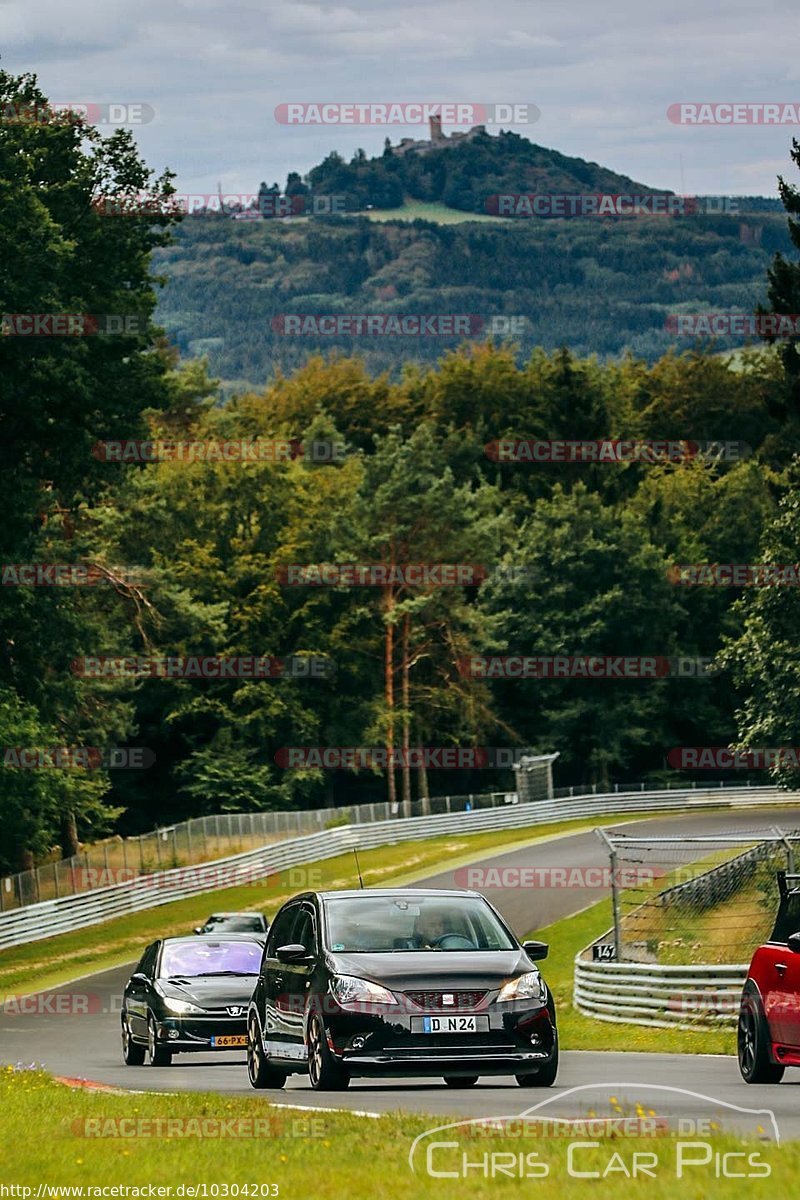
[207,957]
[234,924]
[426,924]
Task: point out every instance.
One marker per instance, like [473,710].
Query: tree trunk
[406,732]
[424,791]
[69,836]
[388,671]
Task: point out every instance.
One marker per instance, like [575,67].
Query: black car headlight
[180,1007]
[529,986]
[350,990]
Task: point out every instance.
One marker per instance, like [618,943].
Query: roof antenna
[358,868]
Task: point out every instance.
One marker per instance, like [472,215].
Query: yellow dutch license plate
[227,1040]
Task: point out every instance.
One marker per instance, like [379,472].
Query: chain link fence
[203,839]
[694,900]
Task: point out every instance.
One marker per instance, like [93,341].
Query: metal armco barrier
[68,913]
[649,994]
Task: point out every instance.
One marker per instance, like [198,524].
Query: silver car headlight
[529,986]
[349,989]
[181,1007]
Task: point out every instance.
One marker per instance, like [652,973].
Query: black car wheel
[160,1056]
[752,1044]
[261,1074]
[459,1081]
[132,1053]
[324,1072]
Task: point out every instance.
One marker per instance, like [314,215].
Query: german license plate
[450,1024]
[227,1041]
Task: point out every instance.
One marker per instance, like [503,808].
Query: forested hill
[599,285]
[463,176]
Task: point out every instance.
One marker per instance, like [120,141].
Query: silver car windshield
[379,924]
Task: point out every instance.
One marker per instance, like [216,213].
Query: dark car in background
[399,983]
[189,994]
[768,1038]
[234,922]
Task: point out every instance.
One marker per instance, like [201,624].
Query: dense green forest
[191,555]
[599,285]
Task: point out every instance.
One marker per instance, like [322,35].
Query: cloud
[602,75]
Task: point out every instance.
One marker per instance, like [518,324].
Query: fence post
[789,849]
[612,855]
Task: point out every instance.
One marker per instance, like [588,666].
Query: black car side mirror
[293,953]
[198,929]
[793,942]
[139,977]
[536,950]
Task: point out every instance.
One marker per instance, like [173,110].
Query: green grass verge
[55,1135]
[579,1032]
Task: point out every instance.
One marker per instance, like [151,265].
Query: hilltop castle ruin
[438,140]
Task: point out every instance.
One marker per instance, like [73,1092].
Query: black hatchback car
[189,994]
[403,983]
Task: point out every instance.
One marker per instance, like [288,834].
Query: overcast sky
[602,74]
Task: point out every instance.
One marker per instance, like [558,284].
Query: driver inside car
[429,927]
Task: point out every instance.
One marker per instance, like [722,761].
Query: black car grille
[434,1001]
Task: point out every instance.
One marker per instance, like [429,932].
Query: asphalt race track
[86,1044]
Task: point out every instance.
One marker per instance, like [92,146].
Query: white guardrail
[656,994]
[68,913]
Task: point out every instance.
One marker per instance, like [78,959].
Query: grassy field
[55,1135]
[727,932]
[414,210]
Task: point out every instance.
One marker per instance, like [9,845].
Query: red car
[769,1018]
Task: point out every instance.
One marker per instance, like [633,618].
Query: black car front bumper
[181,1034]
[511,1039]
